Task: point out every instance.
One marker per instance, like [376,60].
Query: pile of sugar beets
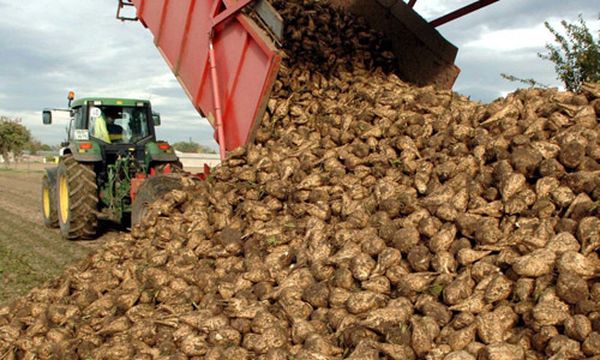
[368,220]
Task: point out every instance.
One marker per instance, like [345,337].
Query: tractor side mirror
[47,117]
[156,119]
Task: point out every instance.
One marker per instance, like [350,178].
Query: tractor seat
[115,132]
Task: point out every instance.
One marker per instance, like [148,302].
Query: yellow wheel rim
[46,202]
[63,198]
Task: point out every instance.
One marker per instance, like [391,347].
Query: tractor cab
[118,124]
[113,121]
[106,128]
[116,127]
[109,120]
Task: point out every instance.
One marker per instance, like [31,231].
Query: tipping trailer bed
[231,89]
[227,63]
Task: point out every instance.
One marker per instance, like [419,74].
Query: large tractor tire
[49,213]
[151,190]
[77,199]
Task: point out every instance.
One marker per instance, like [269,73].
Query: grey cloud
[481,78]
[481,68]
[81,46]
[167,91]
[507,14]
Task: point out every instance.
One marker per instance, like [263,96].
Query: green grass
[22,171]
[30,255]
[17,277]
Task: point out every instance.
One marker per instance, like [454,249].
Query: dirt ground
[30,253]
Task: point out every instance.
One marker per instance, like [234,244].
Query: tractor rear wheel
[49,213]
[151,190]
[77,199]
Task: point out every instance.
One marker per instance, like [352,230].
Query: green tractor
[111,156]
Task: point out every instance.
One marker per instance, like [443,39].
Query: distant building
[197,161]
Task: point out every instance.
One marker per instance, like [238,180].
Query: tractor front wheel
[49,203]
[151,190]
[77,199]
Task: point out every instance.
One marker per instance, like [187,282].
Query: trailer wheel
[77,199]
[49,213]
[151,190]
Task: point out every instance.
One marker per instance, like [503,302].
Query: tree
[530,82]
[576,56]
[192,147]
[13,137]
[34,145]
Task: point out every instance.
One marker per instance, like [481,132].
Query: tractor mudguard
[51,172]
[89,153]
[154,153]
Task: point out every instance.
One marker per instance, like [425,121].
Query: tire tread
[83,200]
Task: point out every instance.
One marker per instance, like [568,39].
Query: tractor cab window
[79,118]
[76,122]
[119,124]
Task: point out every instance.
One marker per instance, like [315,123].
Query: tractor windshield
[119,124]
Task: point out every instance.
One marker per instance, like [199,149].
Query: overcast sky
[48,47]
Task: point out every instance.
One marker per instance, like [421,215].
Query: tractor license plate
[80,134]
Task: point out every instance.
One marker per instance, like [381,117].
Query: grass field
[30,253]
